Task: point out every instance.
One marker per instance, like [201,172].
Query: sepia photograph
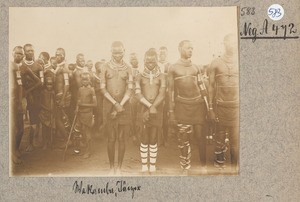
[101,92]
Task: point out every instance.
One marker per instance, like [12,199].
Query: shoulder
[37,65]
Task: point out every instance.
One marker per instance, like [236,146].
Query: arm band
[130,82]
[124,100]
[109,97]
[145,102]
[66,78]
[42,76]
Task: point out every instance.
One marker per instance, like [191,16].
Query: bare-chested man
[62,93]
[76,81]
[116,86]
[133,101]
[150,89]
[98,111]
[19,74]
[164,66]
[33,98]
[224,102]
[186,105]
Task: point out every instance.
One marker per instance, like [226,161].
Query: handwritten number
[253,11]
[291,25]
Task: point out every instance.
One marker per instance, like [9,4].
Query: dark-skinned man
[187,108]
[19,75]
[33,97]
[224,102]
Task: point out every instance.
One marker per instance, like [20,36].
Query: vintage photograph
[124,91]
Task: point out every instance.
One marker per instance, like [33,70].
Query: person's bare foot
[118,172]
[16,160]
[111,172]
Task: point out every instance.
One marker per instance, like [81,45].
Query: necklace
[27,62]
[150,74]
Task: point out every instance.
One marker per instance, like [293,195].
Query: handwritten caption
[267,30]
[115,189]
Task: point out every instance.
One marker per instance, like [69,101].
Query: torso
[150,91]
[116,81]
[227,81]
[185,81]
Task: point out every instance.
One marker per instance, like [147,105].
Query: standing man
[224,102]
[33,98]
[186,106]
[133,101]
[19,73]
[150,90]
[164,66]
[44,60]
[62,93]
[76,81]
[116,87]
[98,111]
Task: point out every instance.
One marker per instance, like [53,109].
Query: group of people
[181,98]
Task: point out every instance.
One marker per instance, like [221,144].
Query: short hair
[62,50]
[183,42]
[17,47]
[45,55]
[79,55]
[117,44]
[27,45]
[163,48]
[151,52]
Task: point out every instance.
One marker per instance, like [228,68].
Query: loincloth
[227,113]
[47,118]
[190,112]
[85,118]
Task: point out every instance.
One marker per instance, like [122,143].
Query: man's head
[150,59]
[71,67]
[60,55]
[85,77]
[163,53]
[134,60]
[230,44]
[80,60]
[185,49]
[49,83]
[29,52]
[98,66]
[53,62]
[117,51]
[18,54]
[44,57]
[89,65]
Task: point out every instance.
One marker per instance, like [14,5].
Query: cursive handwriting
[268,31]
[119,187]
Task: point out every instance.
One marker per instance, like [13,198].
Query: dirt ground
[50,162]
